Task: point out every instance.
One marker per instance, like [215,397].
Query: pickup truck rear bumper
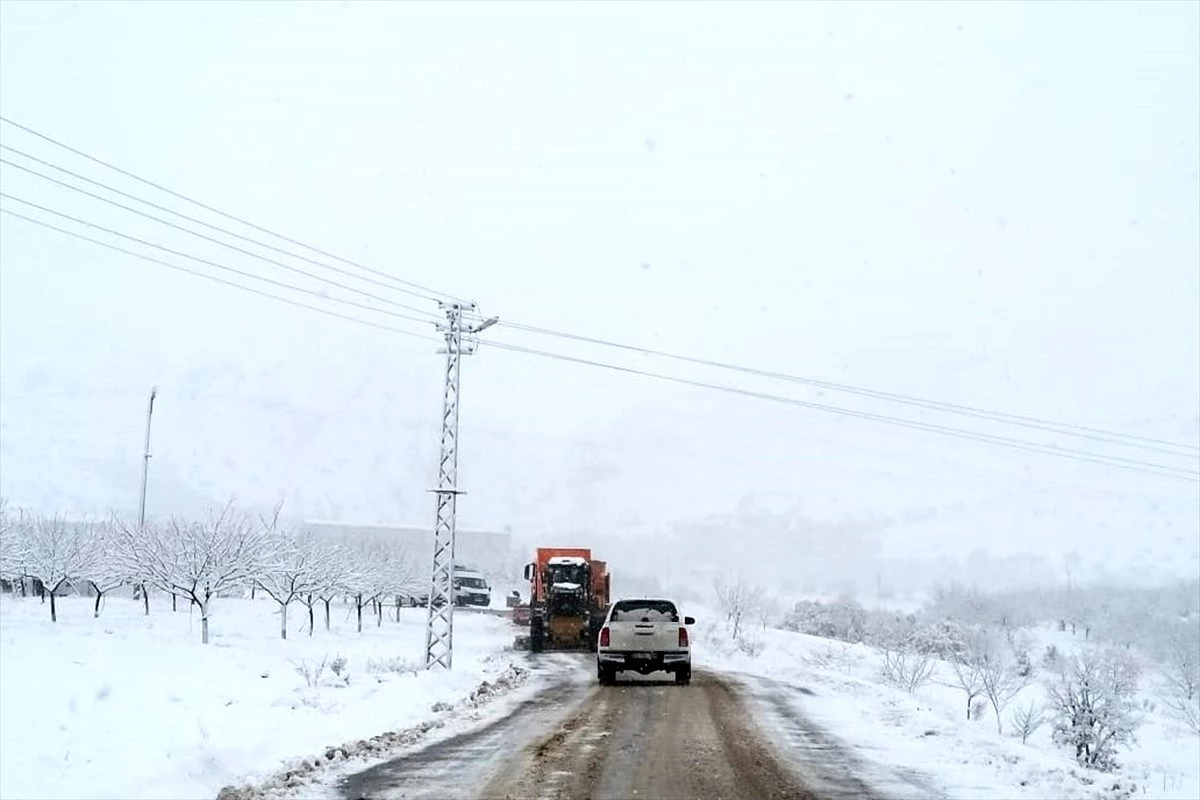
[645,662]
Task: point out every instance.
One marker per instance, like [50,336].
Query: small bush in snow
[750,646]
[1050,658]
[311,674]
[1026,720]
[905,667]
[1024,666]
[978,709]
[393,664]
[338,665]
[1093,703]
[833,655]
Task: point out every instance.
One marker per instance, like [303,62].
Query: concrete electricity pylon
[461,339]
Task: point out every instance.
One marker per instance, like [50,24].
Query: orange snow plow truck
[568,599]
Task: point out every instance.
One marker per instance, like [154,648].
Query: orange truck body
[550,626]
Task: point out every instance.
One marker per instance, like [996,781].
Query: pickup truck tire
[606,675]
[684,676]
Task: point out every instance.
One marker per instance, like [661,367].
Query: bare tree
[989,666]
[905,665]
[333,580]
[293,573]
[767,611]
[1182,673]
[1093,702]
[1027,719]
[738,600]
[363,579]
[108,570]
[14,544]
[967,677]
[57,552]
[201,560]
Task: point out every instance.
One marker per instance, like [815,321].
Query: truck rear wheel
[684,676]
[537,634]
[606,675]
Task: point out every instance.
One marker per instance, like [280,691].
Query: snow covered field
[133,706]
[926,736]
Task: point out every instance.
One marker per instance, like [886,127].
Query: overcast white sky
[991,204]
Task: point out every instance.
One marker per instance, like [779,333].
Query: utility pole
[146,461]
[461,339]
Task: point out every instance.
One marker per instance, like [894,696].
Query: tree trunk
[397,608]
[96,608]
[174,602]
[283,620]
[311,623]
[146,599]
[326,615]
[204,619]
[379,612]
[358,605]
[53,610]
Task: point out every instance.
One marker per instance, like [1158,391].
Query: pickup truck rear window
[645,611]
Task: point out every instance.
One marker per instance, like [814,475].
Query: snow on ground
[926,737]
[132,706]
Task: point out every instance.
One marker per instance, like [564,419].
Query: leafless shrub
[1027,719]
[906,668]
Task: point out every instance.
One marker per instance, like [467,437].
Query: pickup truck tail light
[683,636]
[605,636]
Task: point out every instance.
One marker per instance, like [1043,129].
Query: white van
[471,588]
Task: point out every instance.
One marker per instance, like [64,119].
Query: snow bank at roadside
[925,734]
[132,706]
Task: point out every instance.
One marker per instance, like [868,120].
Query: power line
[1161,470]
[234,284]
[181,215]
[953,408]
[236,249]
[221,266]
[426,292]
[1079,455]
[1095,434]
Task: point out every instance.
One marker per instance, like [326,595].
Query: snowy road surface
[644,737]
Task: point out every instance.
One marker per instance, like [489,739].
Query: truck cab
[568,594]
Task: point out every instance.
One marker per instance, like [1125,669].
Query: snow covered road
[641,738]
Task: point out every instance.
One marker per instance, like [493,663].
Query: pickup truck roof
[632,609]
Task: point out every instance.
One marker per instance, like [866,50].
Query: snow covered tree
[737,600]
[1002,678]
[905,666]
[334,571]
[293,573]
[109,568]
[967,676]
[1181,659]
[13,544]
[767,611]
[57,552]
[1026,720]
[201,560]
[1093,703]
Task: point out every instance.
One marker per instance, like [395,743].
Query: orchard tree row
[197,561]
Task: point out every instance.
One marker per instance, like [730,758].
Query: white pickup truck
[644,635]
